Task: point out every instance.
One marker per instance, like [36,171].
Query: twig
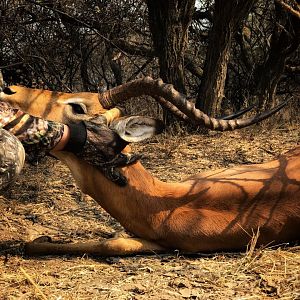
[13,65]
[268,151]
[42,295]
[288,8]
[95,30]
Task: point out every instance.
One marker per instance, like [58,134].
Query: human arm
[37,135]
[95,143]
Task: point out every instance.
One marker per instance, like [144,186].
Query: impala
[216,210]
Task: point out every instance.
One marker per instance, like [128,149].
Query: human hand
[102,148]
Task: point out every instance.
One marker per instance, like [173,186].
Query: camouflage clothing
[37,136]
[44,135]
[12,156]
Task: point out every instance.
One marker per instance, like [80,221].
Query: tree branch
[292,69]
[135,49]
[202,15]
[288,8]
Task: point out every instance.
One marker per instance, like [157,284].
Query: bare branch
[292,69]
[290,9]
[201,15]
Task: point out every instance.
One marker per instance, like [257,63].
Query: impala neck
[139,205]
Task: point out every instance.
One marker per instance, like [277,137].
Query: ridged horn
[177,102]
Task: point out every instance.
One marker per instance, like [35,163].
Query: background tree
[169,23]
[226,54]
[227,16]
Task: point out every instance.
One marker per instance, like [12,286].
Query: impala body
[217,210]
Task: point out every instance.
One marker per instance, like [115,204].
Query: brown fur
[47,104]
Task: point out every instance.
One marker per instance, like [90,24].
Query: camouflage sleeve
[37,135]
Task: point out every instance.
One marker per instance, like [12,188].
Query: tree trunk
[169,21]
[284,41]
[227,16]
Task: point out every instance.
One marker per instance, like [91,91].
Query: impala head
[54,106]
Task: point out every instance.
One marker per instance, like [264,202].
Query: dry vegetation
[45,201]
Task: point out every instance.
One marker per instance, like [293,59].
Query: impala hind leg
[111,247]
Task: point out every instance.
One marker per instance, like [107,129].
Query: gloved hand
[94,142]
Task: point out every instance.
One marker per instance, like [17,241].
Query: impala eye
[78,108]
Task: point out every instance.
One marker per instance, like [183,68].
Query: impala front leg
[110,247]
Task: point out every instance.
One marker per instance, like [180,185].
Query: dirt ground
[45,201]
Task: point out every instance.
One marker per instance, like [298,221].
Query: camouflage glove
[98,145]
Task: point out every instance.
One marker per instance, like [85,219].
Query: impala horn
[166,95]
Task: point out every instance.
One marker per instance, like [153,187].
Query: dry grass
[46,201]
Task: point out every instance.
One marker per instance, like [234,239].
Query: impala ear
[136,128]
